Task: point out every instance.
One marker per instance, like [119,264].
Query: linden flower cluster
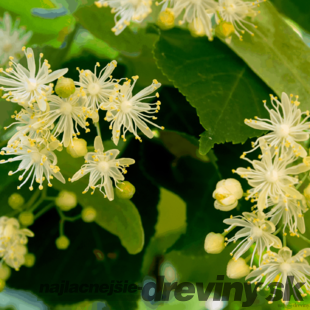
[279,205]
[13,242]
[12,38]
[231,16]
[46,122]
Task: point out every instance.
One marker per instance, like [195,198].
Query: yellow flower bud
[227,193]
[78,149]
[5,271]
[166,19]
[125,191]
[16,201]
[196,28]
[89,214]
[62,243]
[237,269]
[65,87]
[66,200]
[26,218]
[224,29]
[29,260]
[214,243]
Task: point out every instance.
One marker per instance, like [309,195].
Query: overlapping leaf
[221,87]
[277,54]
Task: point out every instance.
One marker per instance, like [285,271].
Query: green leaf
[44,29]
[277,54]
[120,217]
[94,257]
[295,10]
[167,231]
[217,83]
[193,181]
[144,66]
[86,43]
[100,21]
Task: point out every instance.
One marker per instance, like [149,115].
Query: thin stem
[97,125]
[12,214]
[302,181]
[33,198]
[37,204]
[278,230]
[284,239]
[304,238]
[227,231]
[50,198]
[44,210]
[248,258]
[62,227]
[64,218]
[72,219]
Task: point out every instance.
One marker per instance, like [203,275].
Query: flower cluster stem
[304,238]
[302,180]
[97,125]
[44,210]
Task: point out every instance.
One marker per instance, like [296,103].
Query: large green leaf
[298,11]
[100,22]
[94,257]
[167,231]
[120,217]
[277,54]
[216,82]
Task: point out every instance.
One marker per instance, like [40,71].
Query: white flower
[291,212]
[131,113]
[12,242]
[197,13]
[12,38]
[227,193]
[100,91]
[285,125]
[214,243]
[27,123]
[103,166]
[127,11]
[38,160]
[236,13]
[237,269]
[68,113]
[281,265]
[270,177]
[256,229]
[27,86]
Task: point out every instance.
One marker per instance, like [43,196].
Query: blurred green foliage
[208,89]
